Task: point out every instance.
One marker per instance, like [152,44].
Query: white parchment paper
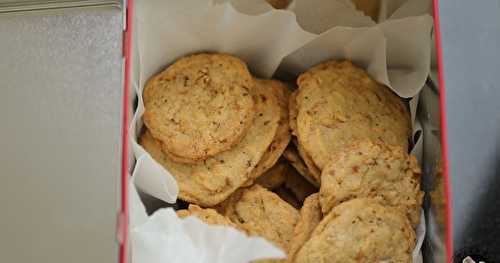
[163,237]
[395,52]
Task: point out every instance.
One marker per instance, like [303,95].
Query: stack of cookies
[351,138]
[343,189]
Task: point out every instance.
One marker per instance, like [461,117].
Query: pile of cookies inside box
[320,167]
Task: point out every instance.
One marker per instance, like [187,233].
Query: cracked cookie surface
[338,103]
[213,180]
[261,212]
[360,230]
[199,106]
[373,170]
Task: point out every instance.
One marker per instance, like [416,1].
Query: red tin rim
[123,256]
[439,53]
[124,212]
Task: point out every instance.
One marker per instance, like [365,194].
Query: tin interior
[434,249]
[61,113]
[433,181]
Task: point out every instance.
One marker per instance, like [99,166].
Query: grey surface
[60,135]
[470,37]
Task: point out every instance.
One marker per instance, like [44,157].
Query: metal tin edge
[11,7]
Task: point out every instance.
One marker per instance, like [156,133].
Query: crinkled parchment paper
[395,52]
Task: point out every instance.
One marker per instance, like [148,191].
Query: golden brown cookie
[261,212]
[199,106]
[385,173]
[292,112]
[293,157]
[207,215]
[274,177]
[213,180]
[299,186]
[310,216]
[360,230]
[283,136]
[339,103]
[311,166]
[210,216]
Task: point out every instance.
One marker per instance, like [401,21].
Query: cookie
[360,230]
[293,112]
[293,158]
[212,181]
[274,177]
[311,166]
[261,212]
[207,215]
[286,195]
[339,103]
[283,136]
[199,106]
[310,216]
[373,170]
[299,186]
